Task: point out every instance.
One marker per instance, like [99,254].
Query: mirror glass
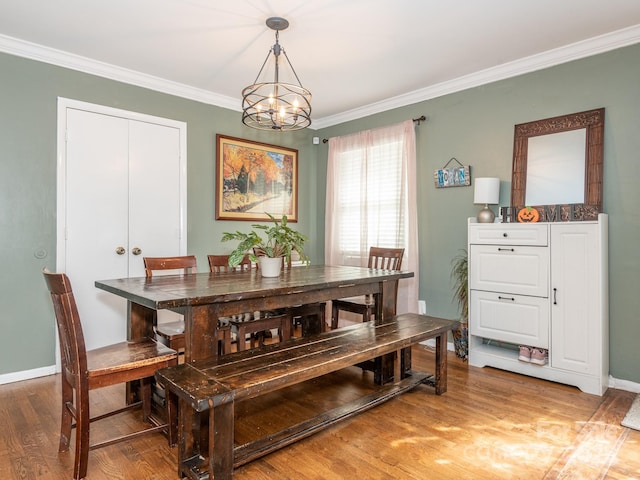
[555,168]
[559,161]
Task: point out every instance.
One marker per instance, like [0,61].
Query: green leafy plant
[460,276]
[275,240]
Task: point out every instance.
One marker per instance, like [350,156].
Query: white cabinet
[543,285]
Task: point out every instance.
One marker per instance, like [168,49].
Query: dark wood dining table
[202,298]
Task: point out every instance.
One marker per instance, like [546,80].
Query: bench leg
[221,441]
[441,364]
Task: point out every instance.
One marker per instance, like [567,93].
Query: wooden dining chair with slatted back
[380,258]
[301,314]
[251,325]
[84,370]
[172,333]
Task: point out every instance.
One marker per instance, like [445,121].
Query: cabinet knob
[505,234]
[120,250]
[136,251]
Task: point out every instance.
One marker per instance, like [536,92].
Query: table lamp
[486,190]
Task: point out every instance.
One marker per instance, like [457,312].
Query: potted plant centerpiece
[460,276]
[267,245]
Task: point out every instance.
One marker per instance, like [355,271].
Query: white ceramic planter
[270,267]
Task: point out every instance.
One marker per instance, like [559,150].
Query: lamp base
[486,215]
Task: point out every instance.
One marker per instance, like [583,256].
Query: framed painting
[255,179]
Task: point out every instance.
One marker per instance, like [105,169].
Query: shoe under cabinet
[542,286]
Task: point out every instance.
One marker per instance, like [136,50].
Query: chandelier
[281,104]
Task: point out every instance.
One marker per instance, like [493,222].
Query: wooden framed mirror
[559,162]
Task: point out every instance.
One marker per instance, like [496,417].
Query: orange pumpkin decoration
[528,214]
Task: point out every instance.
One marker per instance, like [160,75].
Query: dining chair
[379,258]
[172,333]
[84,370]
[252,325]
[300,313]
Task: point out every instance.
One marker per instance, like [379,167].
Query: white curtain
[371,201]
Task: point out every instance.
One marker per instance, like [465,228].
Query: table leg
[385,308]
[221,441]
[140,321]
[204,320]
[441,364]
[140,325]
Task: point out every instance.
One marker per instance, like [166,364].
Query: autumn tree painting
[254,179]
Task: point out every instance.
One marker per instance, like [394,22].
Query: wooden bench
[215,385]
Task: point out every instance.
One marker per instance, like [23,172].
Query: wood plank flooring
[489,425]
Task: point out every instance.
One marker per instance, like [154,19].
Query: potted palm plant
[460,276]
[272,241]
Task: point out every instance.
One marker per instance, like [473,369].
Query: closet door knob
[136,251]
[120,250]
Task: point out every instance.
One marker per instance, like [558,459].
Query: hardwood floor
[489,425]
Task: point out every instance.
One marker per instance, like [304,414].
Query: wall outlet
[422,307]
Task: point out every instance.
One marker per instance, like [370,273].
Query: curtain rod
[417,121]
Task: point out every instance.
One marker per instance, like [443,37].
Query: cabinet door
[576,305]
[510,318]
[513,269]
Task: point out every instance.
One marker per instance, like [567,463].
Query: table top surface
[170,291]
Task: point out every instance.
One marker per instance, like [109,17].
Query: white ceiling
[356,56]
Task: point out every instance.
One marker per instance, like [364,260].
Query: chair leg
[224,340]
[66,417]
[242,338]
[171,402]
[145,386]
[82,434]
[334,316]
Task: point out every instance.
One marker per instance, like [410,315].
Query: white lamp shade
[486,190]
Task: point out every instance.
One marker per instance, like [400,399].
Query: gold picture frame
[254,179]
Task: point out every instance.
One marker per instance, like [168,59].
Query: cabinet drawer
[510,318]
[508,234]
[511,269]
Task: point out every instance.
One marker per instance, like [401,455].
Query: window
[371,199]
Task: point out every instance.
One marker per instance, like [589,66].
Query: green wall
[28,120]
[475,126]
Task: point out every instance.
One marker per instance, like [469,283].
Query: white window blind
[371,199]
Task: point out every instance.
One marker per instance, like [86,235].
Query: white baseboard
[432,343]
[27,374]
[624,385]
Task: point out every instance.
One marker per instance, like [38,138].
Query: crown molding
[593,46]
[550,58]
[87,65]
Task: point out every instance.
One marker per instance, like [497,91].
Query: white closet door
[154,190]
[96,220]
[121,186]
